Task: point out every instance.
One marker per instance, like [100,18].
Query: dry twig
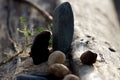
[44,13]
[11,58]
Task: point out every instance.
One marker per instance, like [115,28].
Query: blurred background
[34,14]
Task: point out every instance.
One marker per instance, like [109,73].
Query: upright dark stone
[39,49]
[63,27]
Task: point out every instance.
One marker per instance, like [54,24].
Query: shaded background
[12,10]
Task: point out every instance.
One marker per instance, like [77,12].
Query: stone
[63,27]
[29,77]
[88,58]
[71,77]
[39,50]
[59,70]
[49,76]
[56,57]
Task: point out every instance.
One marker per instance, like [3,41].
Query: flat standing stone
[63,27]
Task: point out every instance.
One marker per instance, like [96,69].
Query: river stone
[29,77]
[63,27]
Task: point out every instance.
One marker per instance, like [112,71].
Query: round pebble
[59,70]
[71,77]
[56,57]
[88,58]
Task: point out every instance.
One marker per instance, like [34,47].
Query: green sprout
[27,33]
[50,42]
[41,29]
[22,20]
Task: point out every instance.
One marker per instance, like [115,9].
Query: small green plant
[28,33]
[41,29]
[50,42]
[22,20]
[25,31]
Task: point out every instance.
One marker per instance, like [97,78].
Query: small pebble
[71,77]
[59,70]
[88,58]
[56,57]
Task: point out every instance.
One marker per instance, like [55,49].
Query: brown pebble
[88,58]
[56,57]
[58,70]
[71,77]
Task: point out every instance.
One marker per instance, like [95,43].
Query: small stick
[11,58]
[44,13]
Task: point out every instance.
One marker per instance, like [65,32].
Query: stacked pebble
[56,62]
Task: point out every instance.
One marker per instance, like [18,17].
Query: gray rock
[29,77]
[63,27]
